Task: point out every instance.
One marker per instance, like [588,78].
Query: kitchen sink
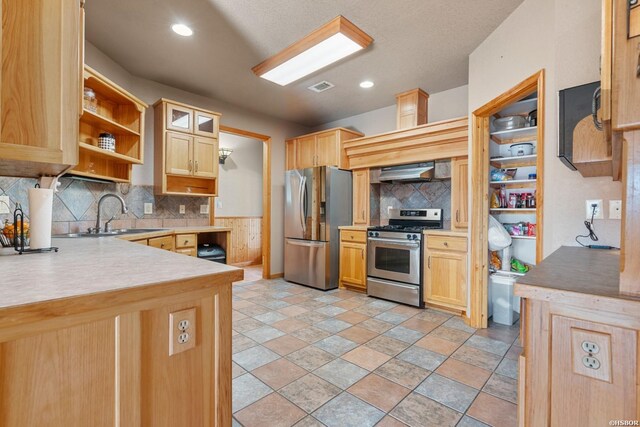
[119,232]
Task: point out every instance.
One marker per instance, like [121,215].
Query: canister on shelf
[89,101]
[107,141]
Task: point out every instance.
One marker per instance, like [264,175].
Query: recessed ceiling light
[366,84]
[182,30]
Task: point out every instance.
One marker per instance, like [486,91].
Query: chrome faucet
[98,228]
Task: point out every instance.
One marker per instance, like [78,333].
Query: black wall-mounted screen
[575,105]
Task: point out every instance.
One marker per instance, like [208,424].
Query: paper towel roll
[40,211]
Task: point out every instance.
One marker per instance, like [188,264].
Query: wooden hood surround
[433,141]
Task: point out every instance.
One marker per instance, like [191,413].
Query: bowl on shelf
[509,123]
[521,149]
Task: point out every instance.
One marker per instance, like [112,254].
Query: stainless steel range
[395,253]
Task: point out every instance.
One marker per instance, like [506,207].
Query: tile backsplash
[434,194]
[76,202]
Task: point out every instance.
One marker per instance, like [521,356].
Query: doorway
[480,171]
[244,200]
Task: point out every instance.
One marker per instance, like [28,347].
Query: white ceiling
[417,43]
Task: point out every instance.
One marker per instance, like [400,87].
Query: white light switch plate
[4,204]
[182,209]
[218,203]
[615,209]
[148,208]
[204,209]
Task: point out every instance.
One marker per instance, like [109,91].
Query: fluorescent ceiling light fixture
[330,43]
[366,84]
[182,30]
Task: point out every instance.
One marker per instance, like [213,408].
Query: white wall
[279,130]
[444,105]
[240,186]
[563,37]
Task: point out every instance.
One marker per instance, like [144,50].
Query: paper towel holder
[18,242]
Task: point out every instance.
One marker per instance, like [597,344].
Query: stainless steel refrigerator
[317,201]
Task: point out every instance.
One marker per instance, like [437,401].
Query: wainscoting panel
[246,238]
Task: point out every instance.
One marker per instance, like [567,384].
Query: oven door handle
[406,243]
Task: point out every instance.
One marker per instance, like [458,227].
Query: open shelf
[106,124]
[513,210]
[520,108]
[515,135]
[524,237]
[514,162]
[118,113]
[117,157]
[520,183]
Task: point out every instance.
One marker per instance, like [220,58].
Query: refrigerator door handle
[303,207]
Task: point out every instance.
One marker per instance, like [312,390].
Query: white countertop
[85,266]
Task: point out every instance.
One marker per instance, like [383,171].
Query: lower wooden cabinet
[164,242]
[580,362]
[353,260]
[445,271]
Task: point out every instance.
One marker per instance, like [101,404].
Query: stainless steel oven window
[392,259]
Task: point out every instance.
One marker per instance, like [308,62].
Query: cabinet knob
[458,215]
[196,166]
[446,244]
[162,245]
[190,165]
[429,262]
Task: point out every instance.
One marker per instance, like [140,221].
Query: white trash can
[505,304]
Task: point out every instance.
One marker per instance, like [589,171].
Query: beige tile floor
[305,357]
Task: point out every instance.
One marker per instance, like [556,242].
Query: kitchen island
[580,335]
[93,335]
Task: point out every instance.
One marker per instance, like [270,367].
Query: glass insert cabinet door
[179,118]
[205,124]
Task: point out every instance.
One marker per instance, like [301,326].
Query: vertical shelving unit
[527,249]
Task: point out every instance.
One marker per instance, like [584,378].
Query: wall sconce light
[223,153]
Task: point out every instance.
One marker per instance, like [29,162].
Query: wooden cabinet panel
[353,265]
[165,242]
[179,118]
[353,236]
[626,84]
[305,152]
[327,149]
[460,193]
[186,240]
[290,154]
[361,197]
[412,109]
[178,154]
[205,124]
[446,278]
[447,243]
[205,157]
[40,86]
[588,396]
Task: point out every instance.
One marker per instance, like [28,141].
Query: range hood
[415,172]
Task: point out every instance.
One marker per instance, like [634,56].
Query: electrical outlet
[591,362]
[182,331]
[148,208]
[589,209]
[590,347]
[183,210]
[204,209]
[615,209]
[4,204]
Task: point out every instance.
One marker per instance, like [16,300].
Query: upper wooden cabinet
[460,193]
[361,191]
[42,47]
[186,141]
[412,108]
[319,149]
[119,113]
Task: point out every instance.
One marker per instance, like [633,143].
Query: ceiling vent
[321,87]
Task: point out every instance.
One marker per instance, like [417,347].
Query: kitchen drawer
[353,236]
[140,242]
[447,243]
[186,240]
[188,251]
[164,242]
